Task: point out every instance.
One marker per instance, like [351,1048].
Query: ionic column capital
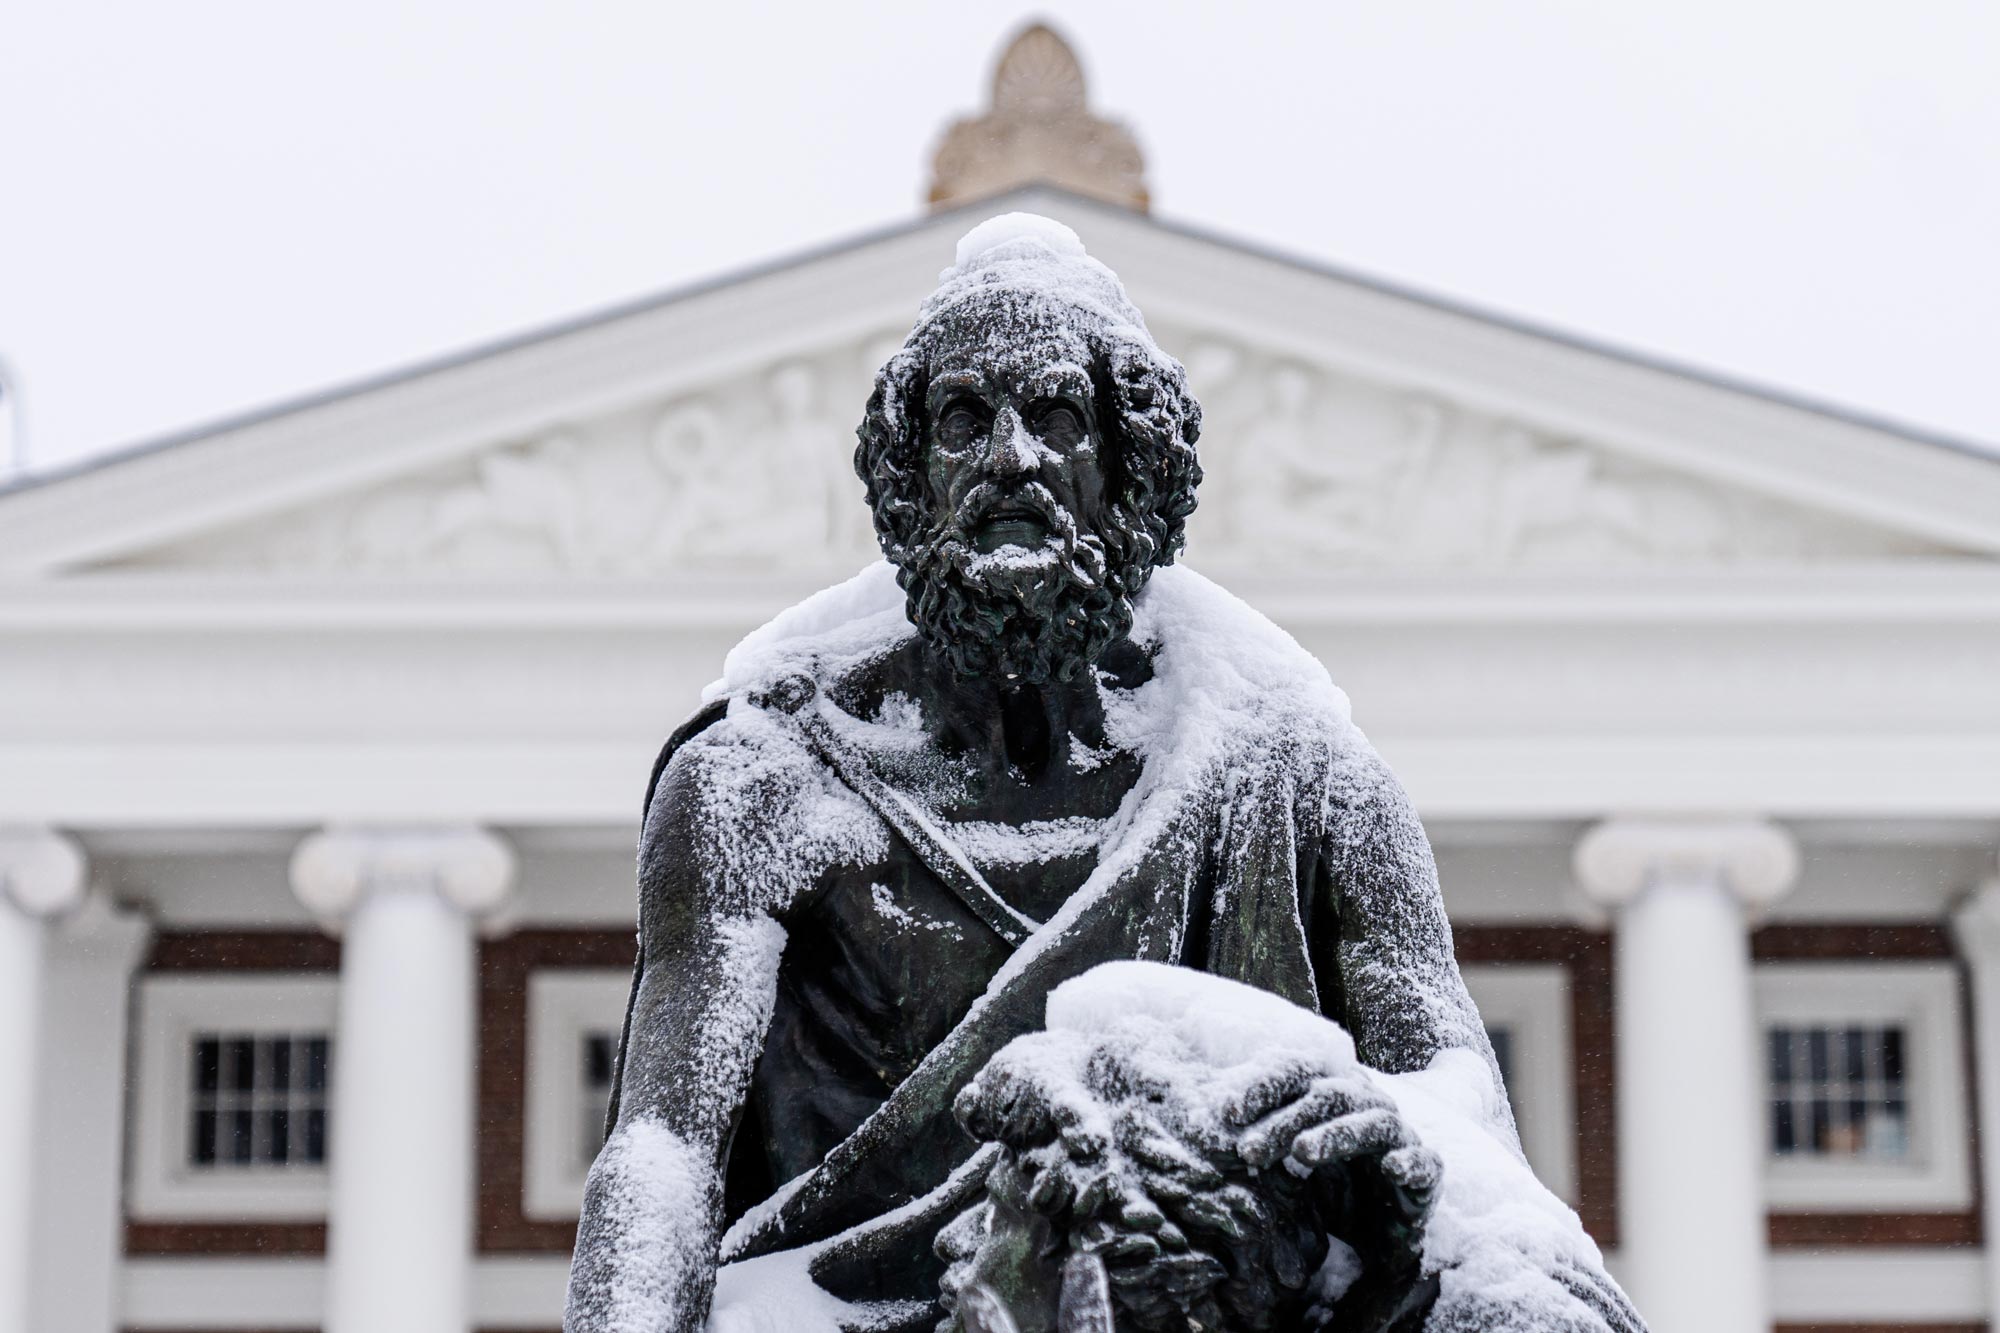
[41,871]
[470,868]
[1754,859]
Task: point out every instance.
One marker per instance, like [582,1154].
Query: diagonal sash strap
[798,696]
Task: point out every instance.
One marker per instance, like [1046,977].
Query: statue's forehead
[1010,340]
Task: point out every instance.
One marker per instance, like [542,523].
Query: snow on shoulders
[1205,631]
[1228,684]
[845,623]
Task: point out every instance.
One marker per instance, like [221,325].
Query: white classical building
[323,733]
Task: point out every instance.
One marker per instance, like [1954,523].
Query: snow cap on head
[1028,253]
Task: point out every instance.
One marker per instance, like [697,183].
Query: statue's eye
[1059,422]
[960,422]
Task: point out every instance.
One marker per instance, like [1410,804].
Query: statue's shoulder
[1214,654]
[739,735]
[746,808]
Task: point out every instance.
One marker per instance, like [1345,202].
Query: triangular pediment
[1348,429]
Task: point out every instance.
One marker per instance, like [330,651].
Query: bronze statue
[907,818]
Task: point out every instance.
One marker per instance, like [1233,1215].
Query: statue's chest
[899,958]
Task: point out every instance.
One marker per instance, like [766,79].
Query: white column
[41,874]
[79,1241]
[399,1243]
[1976,923]
[1692,1231]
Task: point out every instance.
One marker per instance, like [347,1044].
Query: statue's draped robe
[1265,842]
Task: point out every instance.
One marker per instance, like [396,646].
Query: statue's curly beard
[1028,615]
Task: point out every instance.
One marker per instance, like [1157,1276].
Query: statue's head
[1029,456]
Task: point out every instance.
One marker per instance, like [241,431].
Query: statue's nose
[1009,453]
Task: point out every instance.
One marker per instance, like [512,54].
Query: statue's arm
[652,1213]
[1378,925]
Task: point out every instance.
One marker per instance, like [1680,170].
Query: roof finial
[1039,130]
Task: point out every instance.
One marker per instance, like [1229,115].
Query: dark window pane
[201,1151]
[281,1065]
[314,1137]
[239,1136]
[1853,1067]
[1816,1054]
[207,1064]
[314,1075]
[1892,1054]
[277,1136]
[1781,1056]
[1783,1137]
[239,1064]
[1822,1124]
[597,1060]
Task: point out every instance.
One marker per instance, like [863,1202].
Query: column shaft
[41,876]
[22,946]
[79,1240]
[400,1210]
[1691,1217]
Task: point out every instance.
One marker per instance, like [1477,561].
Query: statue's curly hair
[1149,417]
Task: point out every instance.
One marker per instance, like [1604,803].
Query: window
[235,1076]
[257,1100]
[1863,1086]
[1526,1008]
[574,1019]
[1838,1092]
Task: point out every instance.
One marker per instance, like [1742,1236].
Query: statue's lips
[1009,526]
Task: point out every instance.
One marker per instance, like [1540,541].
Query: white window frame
[1532,1000]
[563,1004]
[172,1010]
[1922,997]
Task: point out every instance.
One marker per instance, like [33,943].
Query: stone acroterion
[1039,130]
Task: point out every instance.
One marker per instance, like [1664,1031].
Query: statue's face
[1015,453]
[1012,575]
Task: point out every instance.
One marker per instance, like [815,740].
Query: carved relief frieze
[1310,470]
[749,475]
[1310,466]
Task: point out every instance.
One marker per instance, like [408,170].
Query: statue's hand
[1347,1121]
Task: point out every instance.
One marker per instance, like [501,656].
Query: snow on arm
[1398,987]
[716,877]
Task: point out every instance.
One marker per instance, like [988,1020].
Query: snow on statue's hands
[1180,1151]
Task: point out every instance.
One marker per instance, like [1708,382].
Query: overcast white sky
[208,207]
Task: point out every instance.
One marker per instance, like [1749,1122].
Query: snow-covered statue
[1025,745]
